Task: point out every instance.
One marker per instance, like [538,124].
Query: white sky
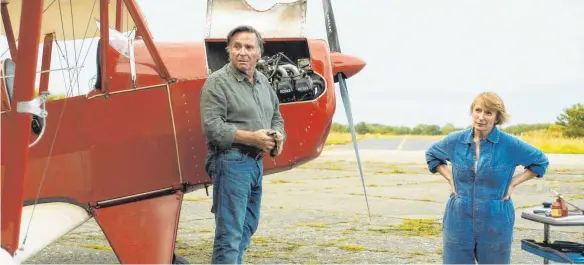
[427,59]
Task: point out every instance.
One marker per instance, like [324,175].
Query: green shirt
[230,102]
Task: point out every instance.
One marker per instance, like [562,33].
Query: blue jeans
[237,196]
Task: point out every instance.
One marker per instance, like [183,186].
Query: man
[242,122]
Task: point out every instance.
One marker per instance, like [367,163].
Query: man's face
[244,52]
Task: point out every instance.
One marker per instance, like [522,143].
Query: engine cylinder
[303,89]
[285,90]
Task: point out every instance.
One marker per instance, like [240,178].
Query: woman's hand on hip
[452,189]
[447,174]
[508,195]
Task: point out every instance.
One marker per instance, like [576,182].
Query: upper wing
[69,19]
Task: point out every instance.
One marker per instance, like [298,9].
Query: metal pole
[15,140]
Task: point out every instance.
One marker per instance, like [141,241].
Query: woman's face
[483,119]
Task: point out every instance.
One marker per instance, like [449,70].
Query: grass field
[554,143]
[336,138]
[548,142]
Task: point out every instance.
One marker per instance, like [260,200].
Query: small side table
[551,251]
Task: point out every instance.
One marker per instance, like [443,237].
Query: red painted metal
[124,145]
[147,37]
[307,124]
[9,31]
[142,232]
[119,13]
[346,64]
[144,139]
[4,94]
[104,34]
[15,140]
[46,63]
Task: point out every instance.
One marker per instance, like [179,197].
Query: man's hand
[263,141]
[279,138]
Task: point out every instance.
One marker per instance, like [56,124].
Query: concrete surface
[317,213]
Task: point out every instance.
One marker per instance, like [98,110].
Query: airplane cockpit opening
[97,84]
[286,64]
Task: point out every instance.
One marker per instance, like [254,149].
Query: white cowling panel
[282,20]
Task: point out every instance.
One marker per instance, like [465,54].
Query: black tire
[37,124]
[177,259]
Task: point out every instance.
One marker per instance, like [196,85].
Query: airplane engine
[282,82]
[292,82]
[284,88]
[286,64]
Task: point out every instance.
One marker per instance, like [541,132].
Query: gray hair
[245,28]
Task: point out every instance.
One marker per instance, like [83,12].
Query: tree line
[570,123]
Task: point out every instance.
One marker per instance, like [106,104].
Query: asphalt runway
[412,150]
[397,143]
[316,213]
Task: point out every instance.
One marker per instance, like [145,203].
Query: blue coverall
[478,223]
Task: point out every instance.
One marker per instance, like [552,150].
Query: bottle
[557,208]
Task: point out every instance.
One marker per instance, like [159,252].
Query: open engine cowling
[286,64]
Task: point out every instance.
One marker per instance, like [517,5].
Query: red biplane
[126,152]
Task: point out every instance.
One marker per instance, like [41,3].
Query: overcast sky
[427,59]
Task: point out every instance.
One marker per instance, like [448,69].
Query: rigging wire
[74,41]
[73,80]
[69,92]
[17,39]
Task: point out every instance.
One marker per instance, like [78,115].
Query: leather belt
[249,150]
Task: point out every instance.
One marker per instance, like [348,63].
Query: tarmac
[317,213]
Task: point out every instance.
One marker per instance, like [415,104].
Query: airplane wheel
[37,124]
[177,259]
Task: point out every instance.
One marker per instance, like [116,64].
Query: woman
[479,216]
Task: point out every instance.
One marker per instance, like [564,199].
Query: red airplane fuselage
[126,152]
[136,140]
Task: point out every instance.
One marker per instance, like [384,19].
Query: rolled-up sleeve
[438,153]
[213,111]
[531,158]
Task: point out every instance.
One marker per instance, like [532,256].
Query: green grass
[548,141]
[419,227]
[554,142]
[96,246]
[337,138]
[279,181]
[352,247]
[196,199]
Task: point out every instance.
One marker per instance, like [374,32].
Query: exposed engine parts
[287,64]
[293,82]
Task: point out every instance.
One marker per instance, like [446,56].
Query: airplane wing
[283,20]
[44,223]
[69,19]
